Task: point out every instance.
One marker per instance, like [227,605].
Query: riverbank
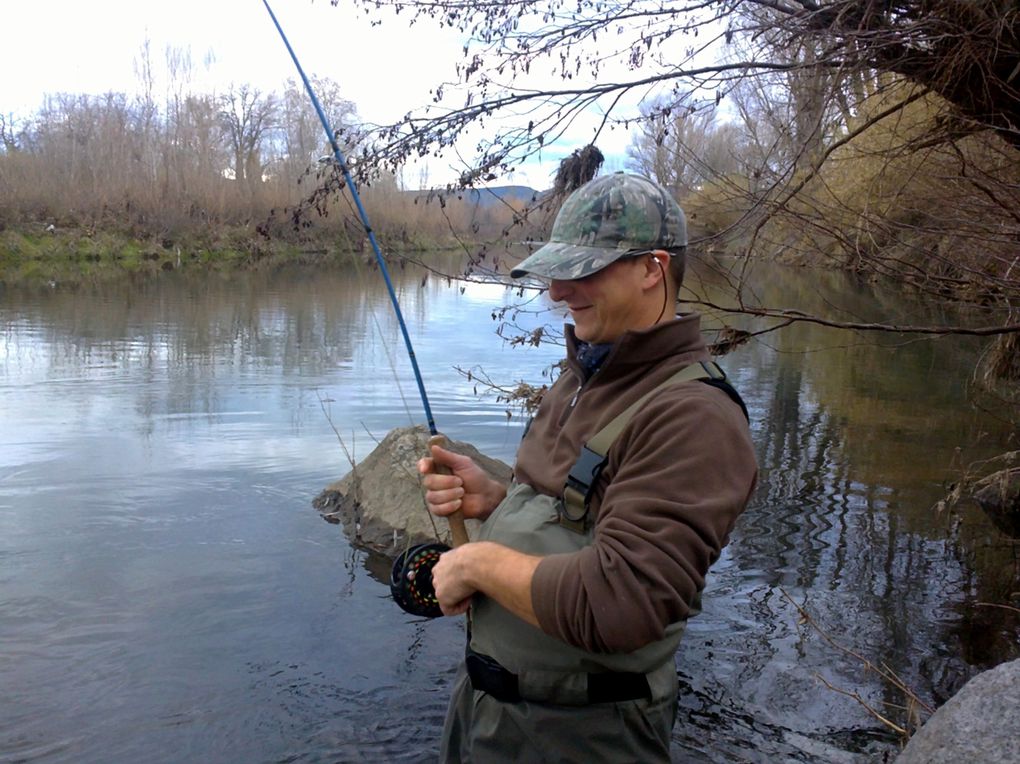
[47,254]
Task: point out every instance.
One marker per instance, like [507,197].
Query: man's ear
[657,265]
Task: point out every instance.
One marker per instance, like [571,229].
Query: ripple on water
[388,722]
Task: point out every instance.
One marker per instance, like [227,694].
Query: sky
[83,46]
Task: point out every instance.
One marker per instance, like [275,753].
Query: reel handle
[458,531]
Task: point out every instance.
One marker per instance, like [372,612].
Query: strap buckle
[579,486]
[577,490]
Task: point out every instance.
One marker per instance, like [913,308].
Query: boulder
[381,502]
[978,724]
[998,495]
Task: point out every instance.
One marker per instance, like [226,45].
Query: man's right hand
[468,488]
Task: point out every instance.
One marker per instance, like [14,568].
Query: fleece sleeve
[676,480]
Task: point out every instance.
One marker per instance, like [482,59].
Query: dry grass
[109,164]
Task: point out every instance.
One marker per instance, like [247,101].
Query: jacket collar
[646,347]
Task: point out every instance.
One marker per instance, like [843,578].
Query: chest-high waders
[527,696]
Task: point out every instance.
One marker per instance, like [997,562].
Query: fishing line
[390,360]
[411,575]
[341,163]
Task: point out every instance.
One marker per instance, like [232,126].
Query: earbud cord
[665,290]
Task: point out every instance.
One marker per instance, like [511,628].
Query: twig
[796,315]
[329,418]
[522,394]
[995,604]
[884,672]
[895,727]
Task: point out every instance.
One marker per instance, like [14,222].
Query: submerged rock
[998,495]
[978,724]
[381,504]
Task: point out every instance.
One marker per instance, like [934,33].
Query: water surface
[167,592]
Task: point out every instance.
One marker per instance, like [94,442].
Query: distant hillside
[484,197]
[487,197]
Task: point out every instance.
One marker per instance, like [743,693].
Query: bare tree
[876,136]
[8,134]
[681,146]
[199,128]
[806,77]
[247,117]
[964,51]
[303,141]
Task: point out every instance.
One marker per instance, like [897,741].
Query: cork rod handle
[458,531]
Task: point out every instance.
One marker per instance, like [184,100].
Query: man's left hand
[492,569]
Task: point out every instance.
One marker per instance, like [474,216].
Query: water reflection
[166,585]
[857,436]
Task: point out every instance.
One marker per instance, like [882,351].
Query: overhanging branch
[790,316]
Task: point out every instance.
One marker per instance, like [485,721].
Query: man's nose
[558,290]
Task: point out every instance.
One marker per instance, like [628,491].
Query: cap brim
[557,260]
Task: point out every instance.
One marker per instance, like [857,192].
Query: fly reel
[411,580]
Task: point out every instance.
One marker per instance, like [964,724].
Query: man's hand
[469,488]
[492,569]
[450,581]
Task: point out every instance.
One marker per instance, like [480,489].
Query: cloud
[74,47]
[384,65]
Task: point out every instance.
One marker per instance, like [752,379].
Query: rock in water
[998,495]
[381,502]
[978,724]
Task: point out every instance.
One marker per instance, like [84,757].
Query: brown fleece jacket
[675,481]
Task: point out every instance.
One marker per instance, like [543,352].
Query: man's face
[627,294]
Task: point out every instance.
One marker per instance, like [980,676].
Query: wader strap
[569,689]
[585,472]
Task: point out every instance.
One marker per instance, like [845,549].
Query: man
[579,591]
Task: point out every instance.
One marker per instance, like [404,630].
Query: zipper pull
[577,393]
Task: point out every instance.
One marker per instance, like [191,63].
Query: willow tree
[912,104]
[966,52]
[880,136]
[824,59]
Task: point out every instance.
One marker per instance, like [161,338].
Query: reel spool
[411,575]
[411,580]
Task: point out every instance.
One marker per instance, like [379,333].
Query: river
[168,593]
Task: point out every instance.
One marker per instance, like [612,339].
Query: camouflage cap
[604,220]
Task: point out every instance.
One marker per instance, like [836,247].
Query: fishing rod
[342,164]
[411,576]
